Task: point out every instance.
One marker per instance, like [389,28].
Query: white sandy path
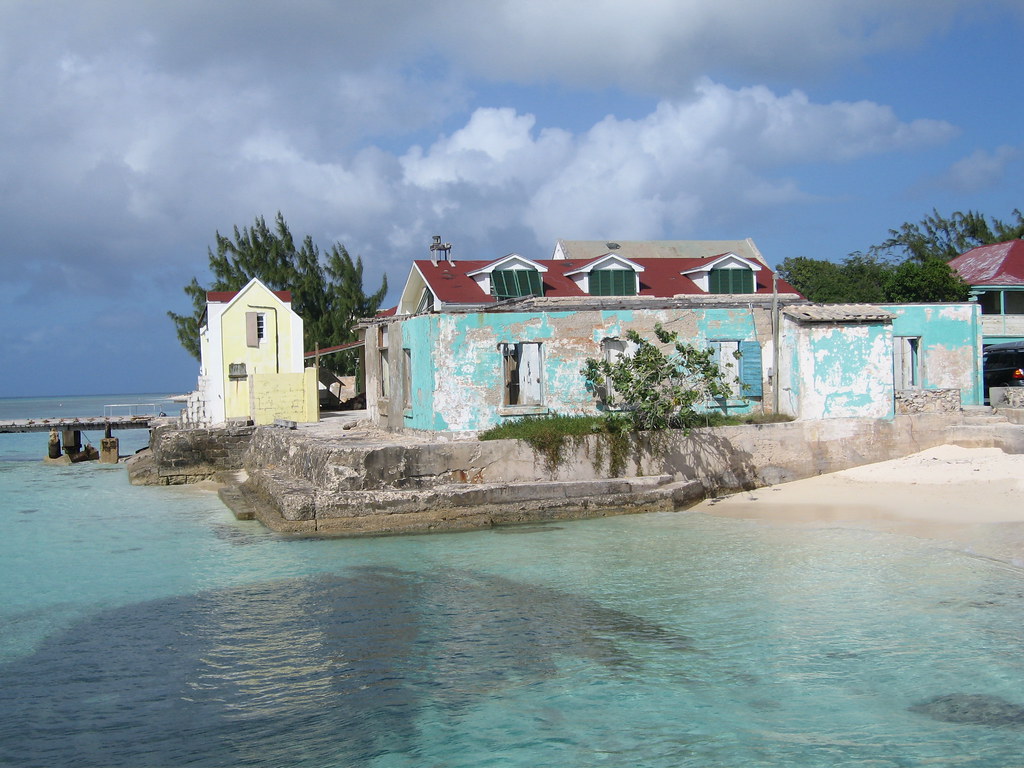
[973,497]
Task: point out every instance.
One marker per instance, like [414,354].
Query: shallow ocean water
[147,627]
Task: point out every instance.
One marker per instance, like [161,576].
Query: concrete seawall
[362,482]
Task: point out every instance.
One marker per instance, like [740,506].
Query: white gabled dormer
[511,276]
[727,273]
[608,275]
[416,295]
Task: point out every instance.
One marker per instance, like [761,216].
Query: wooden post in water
[54,448]
[72,442]
[109,447]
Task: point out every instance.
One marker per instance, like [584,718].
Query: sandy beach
[972,498]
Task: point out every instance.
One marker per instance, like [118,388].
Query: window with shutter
[523,373]
[514,283]
[612,282]
[731,281]
[740,363]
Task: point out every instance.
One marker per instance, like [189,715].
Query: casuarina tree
[327,289]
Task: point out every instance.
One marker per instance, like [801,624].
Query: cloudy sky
[132,130]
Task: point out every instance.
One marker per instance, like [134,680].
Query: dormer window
[608,275]
[731,280]
[514,283]
[612,282]
[725,273]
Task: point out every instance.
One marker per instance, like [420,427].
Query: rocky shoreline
[343,477]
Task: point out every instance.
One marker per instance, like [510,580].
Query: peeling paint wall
[836,370]
[455,361]
[950,345]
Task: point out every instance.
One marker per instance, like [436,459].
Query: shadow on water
[972,709]
[326,670]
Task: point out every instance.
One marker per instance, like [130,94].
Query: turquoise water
[147,627]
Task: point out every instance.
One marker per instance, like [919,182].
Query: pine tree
[327,294]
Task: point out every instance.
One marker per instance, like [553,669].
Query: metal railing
[129,410]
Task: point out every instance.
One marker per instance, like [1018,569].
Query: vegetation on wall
[327,289]
[656,389]
[659,388]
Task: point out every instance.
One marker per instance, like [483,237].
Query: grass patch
[549,435]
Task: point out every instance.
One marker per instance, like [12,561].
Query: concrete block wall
[190,455]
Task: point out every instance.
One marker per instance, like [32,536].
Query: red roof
[661,277]
[223,297]
[999,264]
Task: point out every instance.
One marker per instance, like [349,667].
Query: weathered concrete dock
[347,478]
[64,424]
[65,443]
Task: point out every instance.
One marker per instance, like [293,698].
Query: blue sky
[132,131]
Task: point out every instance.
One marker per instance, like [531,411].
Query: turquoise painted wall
[950,345]
[457,375]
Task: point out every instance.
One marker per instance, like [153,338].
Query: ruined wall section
[191,455]
[466,383]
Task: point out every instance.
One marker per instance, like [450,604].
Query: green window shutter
[613,282]
[731,281]
[534,286]
[715,281]
[750,369]
[513,283]
[498,289]
[744,280]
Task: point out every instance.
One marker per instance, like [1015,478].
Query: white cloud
[981,169]
[716,156]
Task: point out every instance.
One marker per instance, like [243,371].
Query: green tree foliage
[661,388]
[938,237]
[327,292]
[866,279]
[857,279]
[928,280]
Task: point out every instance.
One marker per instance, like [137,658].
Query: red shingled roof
[223,297]
[999,264]
[661,277]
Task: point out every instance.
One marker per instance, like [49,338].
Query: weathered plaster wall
[457,377]
[291,396]
[836,370]
[950,346]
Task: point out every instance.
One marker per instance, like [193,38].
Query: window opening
[612,282]
[740,363]
[406,379]
[385,374]
[523,374]
[906,362]
[731,281]
[514,283]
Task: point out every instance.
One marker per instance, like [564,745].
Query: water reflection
[323,670]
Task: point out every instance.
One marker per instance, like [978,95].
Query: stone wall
[927,401]
[305,483]
[190,455]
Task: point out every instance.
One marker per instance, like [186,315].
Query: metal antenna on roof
[445,249]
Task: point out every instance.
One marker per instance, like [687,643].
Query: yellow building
[252,361]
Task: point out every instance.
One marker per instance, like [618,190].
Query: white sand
[970,497]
